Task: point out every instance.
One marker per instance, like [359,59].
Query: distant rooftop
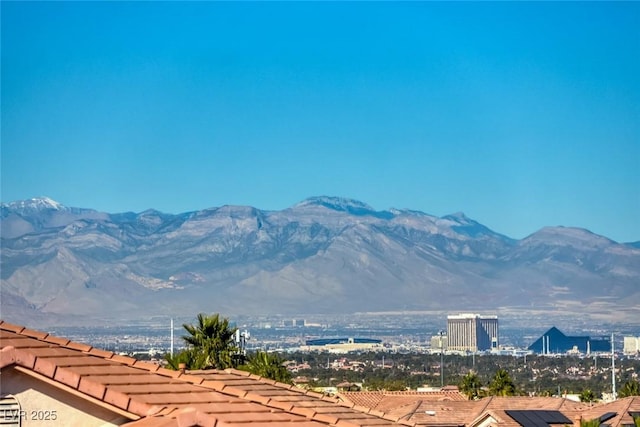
[332,341]
[471,316]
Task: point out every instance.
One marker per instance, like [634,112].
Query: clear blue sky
[519,114]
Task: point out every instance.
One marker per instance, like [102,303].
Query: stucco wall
[41,403]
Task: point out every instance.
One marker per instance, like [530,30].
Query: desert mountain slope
[322,255]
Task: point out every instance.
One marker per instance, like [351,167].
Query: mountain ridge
[327,253]
[339,204]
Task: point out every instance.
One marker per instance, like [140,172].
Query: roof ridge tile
[68,377]
[257,398]
[153,409]
[7,356]
[314,393]
[326,418]
[284,385]
[56,340]
[85,348]
[192,417]
[234,391]
[147,366]
[214,384]
[169,373]
[11,327]
[237,372]
[364,409]
[117,398]
[304,411]
[34,334]
[92,388]
[279,404]
[192,379]
[126,360]
[45,367]
[380,414]
[163,410]
[105,354]
[187,417]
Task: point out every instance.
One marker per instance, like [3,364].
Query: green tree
[212,339]
[267,365]
[587,396]
[471,385]
[502,384]
[377,384]
[191,359]
[630,388]
[210,344]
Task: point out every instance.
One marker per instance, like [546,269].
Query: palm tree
[267,365]
[471,385]
[191,359]
[211,340]
[630,388]
[502,385]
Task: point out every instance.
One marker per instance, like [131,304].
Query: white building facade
[631,345]
[472,332]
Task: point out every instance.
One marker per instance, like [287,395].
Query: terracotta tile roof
[500,417]
[284,396]
[449,413]
[154,396]
[621,407]
[438,413]
[387,400]
[522,402]
[575,411]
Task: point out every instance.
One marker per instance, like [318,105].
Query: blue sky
[519,114]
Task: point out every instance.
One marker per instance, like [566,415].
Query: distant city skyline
[519,114]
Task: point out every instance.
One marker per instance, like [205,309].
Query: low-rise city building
[343,345]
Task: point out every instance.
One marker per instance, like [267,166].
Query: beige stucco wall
[487,422]
[40,400]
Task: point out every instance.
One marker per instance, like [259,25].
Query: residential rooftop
[137,393]
[90,386]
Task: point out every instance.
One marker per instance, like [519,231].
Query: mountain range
[322,255]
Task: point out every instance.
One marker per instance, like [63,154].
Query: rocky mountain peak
[336,203]
[573,236]
[34,204]
[343,204]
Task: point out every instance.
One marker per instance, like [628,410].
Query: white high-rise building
[472,332]
[631,345]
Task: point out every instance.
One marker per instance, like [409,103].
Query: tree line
[535,375]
